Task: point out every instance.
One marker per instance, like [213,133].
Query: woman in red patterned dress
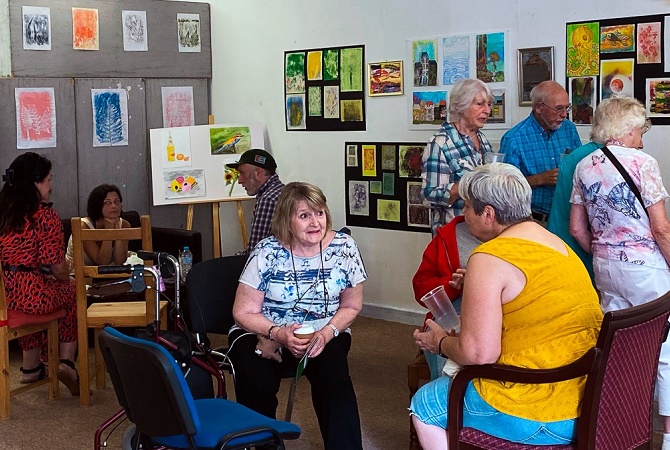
[31,240]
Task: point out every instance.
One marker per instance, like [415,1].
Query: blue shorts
[429,405]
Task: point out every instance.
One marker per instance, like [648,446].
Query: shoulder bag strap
[625,176]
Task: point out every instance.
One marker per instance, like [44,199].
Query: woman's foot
[31,375]
[67,374]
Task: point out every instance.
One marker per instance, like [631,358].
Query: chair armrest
[585,365]
[172,240]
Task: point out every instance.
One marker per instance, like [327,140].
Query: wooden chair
[418,373]
[619,392]
[117,314]
[14,325]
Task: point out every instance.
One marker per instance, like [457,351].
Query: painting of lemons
[229,140]
[582,52]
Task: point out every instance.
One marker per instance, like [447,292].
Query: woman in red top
[31,242]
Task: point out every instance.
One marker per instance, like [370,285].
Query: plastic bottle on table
[185,262]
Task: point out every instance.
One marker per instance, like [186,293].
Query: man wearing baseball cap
[257,175]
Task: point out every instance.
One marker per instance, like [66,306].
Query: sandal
[65,377]
[40,372]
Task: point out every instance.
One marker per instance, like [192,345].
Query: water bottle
[185,262]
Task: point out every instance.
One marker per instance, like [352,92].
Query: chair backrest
[618,397]
[211,286]
[149,385]
[3,299]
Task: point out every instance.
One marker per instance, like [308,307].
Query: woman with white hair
[456,148]
[515,311]
[629,237]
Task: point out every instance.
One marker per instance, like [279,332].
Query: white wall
[249,38]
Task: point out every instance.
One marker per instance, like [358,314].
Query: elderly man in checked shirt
[535,145]
[257,174]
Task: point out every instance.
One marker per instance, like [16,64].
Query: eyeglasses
[647,125]
[560,109]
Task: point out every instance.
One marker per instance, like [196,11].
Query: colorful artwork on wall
[135,31]
[177,145]
[351,69]
[388,210]
[491,57]
[535,66]
[110,117]
[369,161]
[429,107]
[388,183]
[35,118]
[385,78]
[331,64]
[582,91]
[294,72]
[497,107]
[388,157]
[409,160]
[315,100]
[314,66]
[455,59]
[177,105]
[295,112]
[616,77]
[617,38]
[85,29]
[657,99]
[331,102]
[185,183]
[582,52]
[36,27]
[229,140]
[649,43]
[424,62]
[417,214]
[352,110]
[188,33]
[359,198]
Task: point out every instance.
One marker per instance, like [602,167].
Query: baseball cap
[256,157]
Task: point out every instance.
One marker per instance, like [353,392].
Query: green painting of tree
[351,69]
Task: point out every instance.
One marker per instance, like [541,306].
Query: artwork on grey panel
[135,37]
[188,32]
[110,117]
[178,110]
[36,28]
[35,117]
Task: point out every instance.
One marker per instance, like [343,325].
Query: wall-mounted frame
[385,78]
[535,66]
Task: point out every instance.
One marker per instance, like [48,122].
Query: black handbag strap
[625,176]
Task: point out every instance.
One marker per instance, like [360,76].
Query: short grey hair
[463,94]
[616,117]
[501,186]
[542,92]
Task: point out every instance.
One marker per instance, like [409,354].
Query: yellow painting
[388,210]
[314,66]
[369,160]
[582,49]
[617,39]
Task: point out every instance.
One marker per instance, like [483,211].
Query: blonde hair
[290,196]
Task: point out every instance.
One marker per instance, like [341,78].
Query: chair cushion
[483,440]
[220,418]
[17,319]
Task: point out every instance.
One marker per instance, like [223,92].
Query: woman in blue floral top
[305,274]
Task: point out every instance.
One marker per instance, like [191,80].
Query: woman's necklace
[297,289]
[615,142]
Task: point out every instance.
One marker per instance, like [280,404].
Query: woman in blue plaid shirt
[455,149]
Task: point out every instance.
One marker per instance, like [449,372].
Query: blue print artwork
[110,117]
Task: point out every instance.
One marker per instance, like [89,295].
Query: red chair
[617,405]
[14,325]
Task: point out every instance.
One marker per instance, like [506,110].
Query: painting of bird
[228,146]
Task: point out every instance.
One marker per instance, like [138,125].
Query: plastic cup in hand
[443,311]
[491,157]
[304,332]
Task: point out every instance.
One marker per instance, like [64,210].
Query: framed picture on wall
[535,66]
[385,78]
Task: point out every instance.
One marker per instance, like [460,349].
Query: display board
[621,56]
[383,185]
[188,163]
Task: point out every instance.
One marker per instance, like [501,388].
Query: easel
[216,220]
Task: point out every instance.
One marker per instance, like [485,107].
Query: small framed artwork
[535,66]
[385,78]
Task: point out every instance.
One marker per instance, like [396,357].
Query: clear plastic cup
[443,311]
[491,157]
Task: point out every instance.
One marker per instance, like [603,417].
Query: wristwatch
[336,332]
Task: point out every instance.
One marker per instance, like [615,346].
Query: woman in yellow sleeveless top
[528,301]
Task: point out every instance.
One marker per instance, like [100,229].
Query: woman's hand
[457,279]
[430,339]
[111,224]
[297,346]
[269,349]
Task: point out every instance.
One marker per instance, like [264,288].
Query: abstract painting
[331,64]
[429,107]
[388,157]
[455,59]
[352,110]
[178,108]
[658,97]
[424,59]
[177,145]
[294,72]
[314,66]
[36,27]
[617,39]
[352,155]
[184,183]
[649,43]
[388,210]
[417,214]
[369,160]
[85,29]
[295,112]
[351,69]
[315,101]
[135,37]
[409,161]
[498,107]
[385,78]
[359,198]
[583,97]
[616,78]
[582,49]
[110,117]
[35,118]
[331,102]
[375,187]
[388,183]
[491,57]
[188,33]
[229,140]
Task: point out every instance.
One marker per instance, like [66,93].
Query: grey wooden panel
[63,156]
[125,166]
[163,59]
[174,216]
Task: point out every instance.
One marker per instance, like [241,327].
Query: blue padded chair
[151,387]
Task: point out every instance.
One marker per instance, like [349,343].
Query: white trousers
[623,285]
